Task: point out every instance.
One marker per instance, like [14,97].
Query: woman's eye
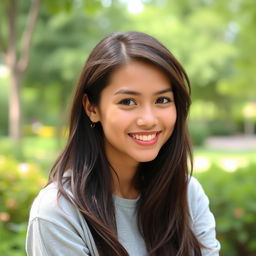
[163,100]
[127,102]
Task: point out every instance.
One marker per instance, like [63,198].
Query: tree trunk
[15,106]
[249,127]
[17,65]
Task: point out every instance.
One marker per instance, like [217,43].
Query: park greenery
[43,46]
[213,39]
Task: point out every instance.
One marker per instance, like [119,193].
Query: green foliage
[202,129]
[221,128]
[199,132]
[232,200]
[241,16]
[214,40]
[33,149]
[89,6]
[19,184]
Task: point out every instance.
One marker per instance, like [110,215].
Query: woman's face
[137,113]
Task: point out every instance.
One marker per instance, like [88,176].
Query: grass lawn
[229,160]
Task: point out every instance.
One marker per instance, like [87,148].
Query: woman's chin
[146,158]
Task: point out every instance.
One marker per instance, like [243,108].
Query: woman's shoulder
[194,187]
[56,222]
[202,219]
[52,207]
[196,196]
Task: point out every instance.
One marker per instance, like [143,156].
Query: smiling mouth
[144,136]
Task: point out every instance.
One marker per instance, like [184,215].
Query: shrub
[199,132]
[222,128]
[232,197]
[19,184]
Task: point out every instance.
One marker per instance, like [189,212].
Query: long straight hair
[163,214]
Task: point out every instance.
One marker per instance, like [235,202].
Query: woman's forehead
[138,75]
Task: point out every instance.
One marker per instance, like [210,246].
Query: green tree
[241,17]
[16,54]
[18,20]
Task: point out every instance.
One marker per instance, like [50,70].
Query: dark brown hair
[163,215]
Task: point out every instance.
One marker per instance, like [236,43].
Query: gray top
[56,228]
[127,228]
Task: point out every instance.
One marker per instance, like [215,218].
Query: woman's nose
[147,118]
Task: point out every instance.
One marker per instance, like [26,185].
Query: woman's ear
[91,110]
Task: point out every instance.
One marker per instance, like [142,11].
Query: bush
[199,132]
[232,197]
[222,128]
[19,184]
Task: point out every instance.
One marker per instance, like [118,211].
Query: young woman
[122,184]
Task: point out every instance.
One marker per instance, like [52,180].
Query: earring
[92,125]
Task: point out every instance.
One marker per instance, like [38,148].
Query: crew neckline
[124,202]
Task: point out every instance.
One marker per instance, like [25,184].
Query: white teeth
[144,137]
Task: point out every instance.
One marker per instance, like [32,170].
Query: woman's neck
[123,180]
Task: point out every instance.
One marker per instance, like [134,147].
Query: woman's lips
[145,138]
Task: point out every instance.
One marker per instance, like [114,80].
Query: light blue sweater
[56,228]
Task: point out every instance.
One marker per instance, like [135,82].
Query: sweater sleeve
[203,222]
[45,238]
[57,228]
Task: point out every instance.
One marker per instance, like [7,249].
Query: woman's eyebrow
[124,91]
[130,92]
[164,91]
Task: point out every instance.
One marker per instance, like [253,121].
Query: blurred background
[43,46]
